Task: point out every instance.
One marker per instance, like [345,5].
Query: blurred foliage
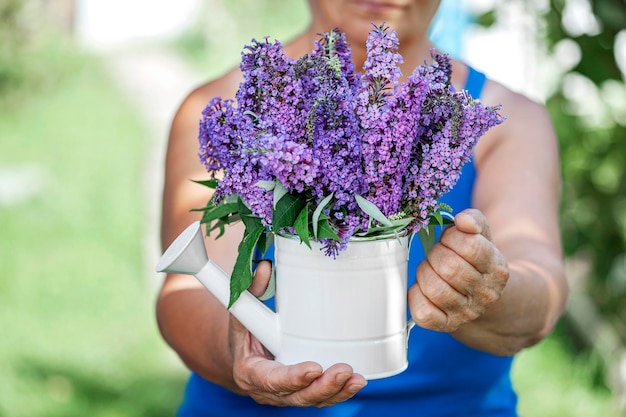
[580,43]
[553,379]
[593,150]
[12,40]
[215,40]
[588,109]
[33,52]
[76,307]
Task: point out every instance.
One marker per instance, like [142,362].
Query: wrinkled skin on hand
[270,382]
[463,274]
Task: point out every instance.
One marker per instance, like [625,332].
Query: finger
[452,309]
[473,221]
[266,380]
[424,313]
[353,385]
[473,248]
[273,383]
[280,380]
[261,278]
[438,290]
[331,384]
[491,267]
[453,269]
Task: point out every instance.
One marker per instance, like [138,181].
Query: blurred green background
[80,165]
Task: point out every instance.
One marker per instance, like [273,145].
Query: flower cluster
[312,147]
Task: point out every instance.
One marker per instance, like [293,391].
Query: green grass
[76,302]
[553,381]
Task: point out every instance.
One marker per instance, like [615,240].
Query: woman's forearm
[532,302]
[195,325]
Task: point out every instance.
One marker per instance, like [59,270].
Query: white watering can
[351,309]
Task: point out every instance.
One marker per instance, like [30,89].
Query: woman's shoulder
[527,121]
[496,93]
[224,86]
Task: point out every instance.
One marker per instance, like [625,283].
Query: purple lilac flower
[449,126]
[270,106]
[241,180]
[404,124]
[224,137]
[336,140]
[345,231]
[219,141]
[388,131]
[271,94]
[332,44]
[290,162]
[318,128]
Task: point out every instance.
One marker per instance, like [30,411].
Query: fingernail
[356,388]
[342,377]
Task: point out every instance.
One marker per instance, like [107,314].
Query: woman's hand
[464,274]
[270,382]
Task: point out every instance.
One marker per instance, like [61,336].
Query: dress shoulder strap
[475,82]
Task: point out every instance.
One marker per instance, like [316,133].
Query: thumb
[261,278]
[474,222]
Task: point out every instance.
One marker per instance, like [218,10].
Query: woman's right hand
[270,382]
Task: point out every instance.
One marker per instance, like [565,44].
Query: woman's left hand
[463,275]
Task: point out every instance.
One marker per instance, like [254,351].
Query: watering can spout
[187,255]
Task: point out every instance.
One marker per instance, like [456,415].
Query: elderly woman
[491,286]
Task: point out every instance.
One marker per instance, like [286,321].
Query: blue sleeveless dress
[444,379]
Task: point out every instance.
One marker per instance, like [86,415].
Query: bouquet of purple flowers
[311,147]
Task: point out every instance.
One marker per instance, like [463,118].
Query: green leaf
[402,222]
[441,216]
[486,19]
[219,216]
[448,218]
[220,226]
[318,212]
[207,183]
[287,211]
[249,219]
[302,226]
[218,211]
[232,198]
[262,242]
[230,219]
[279,192]
[370,209]
[251,113]
[266,185]
[444,207]
[324,231]
[222,222]
[241,277]
[427,238]
[397,226]
[438,218]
